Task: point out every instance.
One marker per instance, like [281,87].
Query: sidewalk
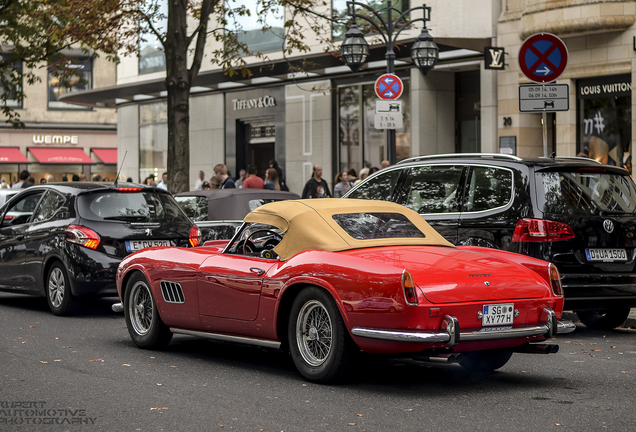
[629,323]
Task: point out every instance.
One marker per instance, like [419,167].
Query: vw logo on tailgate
[608,225]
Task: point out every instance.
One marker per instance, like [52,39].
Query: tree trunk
[178,86]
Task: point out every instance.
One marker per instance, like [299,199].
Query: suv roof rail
[460,155]
[573,158]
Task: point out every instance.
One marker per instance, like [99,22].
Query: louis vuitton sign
[261,102]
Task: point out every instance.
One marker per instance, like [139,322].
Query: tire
[604,319]
[58,291]
[145,326]
[319,342]
[484,361]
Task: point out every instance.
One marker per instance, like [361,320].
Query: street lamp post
[355,49]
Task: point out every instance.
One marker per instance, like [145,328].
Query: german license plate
[606,255]
[498,314]
[135,245]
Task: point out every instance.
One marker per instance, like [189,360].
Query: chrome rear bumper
[450,333]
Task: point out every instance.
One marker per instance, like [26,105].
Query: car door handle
[19,237]
[257,271]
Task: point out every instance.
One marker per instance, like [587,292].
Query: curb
[630,322]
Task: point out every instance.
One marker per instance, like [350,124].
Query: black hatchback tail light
[541,230]
[82,236]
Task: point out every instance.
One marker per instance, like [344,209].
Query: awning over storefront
[12,155]
[108,156]
[61,156]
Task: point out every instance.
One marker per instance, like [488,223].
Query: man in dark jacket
[316,187]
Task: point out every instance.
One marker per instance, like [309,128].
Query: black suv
[574,212]
[65,240]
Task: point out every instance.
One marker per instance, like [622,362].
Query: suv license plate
[135,245]
[606,255]
[498,314]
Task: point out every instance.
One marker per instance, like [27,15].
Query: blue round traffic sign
[543,57]
[389,87]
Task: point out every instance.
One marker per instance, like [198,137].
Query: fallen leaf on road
[165,408]
[613,346]
[360,415]
[593,343]
[57,338]
[97,360]
[42,361]
[351,424]
[409,409]
[31,326]
[567,342]
[597,350]
[159,384]
[125,364]
[574,353]
[18,338]
[58,360]
[625,372]
[558,424]
[579,361]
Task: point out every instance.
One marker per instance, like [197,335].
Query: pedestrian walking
[253,181]
[220,172]
[364,172]
[241,179]
[384,164]
[316,187]
[199,183]
[24,176]
[163,184]
[271,179]
[215,183]
[280,174]
[342,185]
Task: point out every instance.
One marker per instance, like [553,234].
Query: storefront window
[153,140]
[151,55]
[604,114]
[11,76]
[250,29]
[76,75]
[339,14]
[361,144]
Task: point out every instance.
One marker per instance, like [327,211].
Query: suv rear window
[585,193]
[145,206]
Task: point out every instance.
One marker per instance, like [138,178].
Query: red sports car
[316,276]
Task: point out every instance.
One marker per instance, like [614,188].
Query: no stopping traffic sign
[389,87]
[543,57]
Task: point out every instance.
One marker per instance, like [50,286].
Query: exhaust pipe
[117,307]
[529,348]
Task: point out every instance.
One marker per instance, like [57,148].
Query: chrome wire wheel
[56,287]
[314,333]
[140,308]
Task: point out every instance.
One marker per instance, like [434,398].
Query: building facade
[60,138]
[325,116]
[600,39]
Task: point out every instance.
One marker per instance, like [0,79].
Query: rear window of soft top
[144,206]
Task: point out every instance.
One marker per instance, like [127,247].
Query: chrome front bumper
[450,333]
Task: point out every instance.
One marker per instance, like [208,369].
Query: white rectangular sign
[540,98]
[388,114]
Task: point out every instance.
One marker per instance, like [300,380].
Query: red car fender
[317,282]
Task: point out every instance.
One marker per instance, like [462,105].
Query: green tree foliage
[37,33]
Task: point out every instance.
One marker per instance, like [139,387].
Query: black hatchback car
[574,212]
[64,241]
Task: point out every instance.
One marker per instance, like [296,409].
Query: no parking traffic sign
[543,57]
[389,87]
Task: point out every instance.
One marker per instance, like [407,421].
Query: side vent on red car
[172,292]
[541,230]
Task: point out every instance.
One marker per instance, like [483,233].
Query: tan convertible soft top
[309,225]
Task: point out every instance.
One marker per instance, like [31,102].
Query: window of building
[153,140]
[151,55]
[339,14]
[250,29]
[75,75]
[360,143]
[12,75]
[604,119]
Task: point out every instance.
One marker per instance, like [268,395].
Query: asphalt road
[84,373]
